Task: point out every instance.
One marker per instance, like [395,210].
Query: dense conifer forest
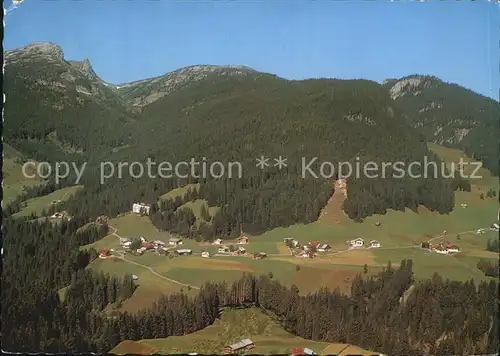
[390,313]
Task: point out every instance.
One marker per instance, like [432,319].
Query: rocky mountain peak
[40,49]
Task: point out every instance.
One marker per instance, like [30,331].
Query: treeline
[493,244]
[389,312]
[328,119]
[489,267]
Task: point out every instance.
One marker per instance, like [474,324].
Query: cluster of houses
[156,245]
[104,252]
[443,247]
[360,243]
[306,251]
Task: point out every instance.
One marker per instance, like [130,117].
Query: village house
[359,242]
[242,240]
[158,243]
[374,244]
[134,277]
[126,244]
[140,251]
[175,242]
[302,351]
[205,254]
[139,207]
[223,249]
[148,246]
[104,252]
[495,226]
[241,250]
[142,239]
[307,254]
[463,205]
[323,247]
[453,248]
[259,255]
[184,251]
[217,242]
[440,249]
[245,343]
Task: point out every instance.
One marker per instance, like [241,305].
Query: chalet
[134,277]
[495,226]
[302,351]
[241,249]
[307,254]
[205,254]
[142,239]
[259,255]
[218,242]
[104,252]
[323,247]
[126,244]
[374,244]
[174,242]
[440,249]
[223,249]
[245,343]
[140,207]
[242,240]
[57,215]
[359,242]
[453,248]
[463,205]
[184,251]
[158,243]
[148,246]
[123,240]
[139,251]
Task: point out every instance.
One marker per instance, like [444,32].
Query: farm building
[453,248]
[123,240]
[242,240]
[359,242]
[302,351]
[142,239]
[59,215]
[440,249]
[175,242]
[374,244]
[134,277]
[245,343]
[184,251]
[259,255]
[495,226]
[218,242]
[307,254]
[241,249]
[323,247]
[205,254]
[158,243]
[148,245]
[139,207]
[104,252]
[139,251]
[126,244]
[463,205]
[223,249]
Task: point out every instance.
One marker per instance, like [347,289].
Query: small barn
[243,344]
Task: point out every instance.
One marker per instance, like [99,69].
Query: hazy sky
[127,40]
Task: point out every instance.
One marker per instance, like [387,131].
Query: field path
[122,257]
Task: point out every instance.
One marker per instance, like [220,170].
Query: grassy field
[14,180]
[36,205]
[268,337]
[180,192]
[398,232]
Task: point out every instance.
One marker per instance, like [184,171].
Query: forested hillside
[225,114]
[450,115]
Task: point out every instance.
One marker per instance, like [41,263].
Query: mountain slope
[450,115]
[57,108]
